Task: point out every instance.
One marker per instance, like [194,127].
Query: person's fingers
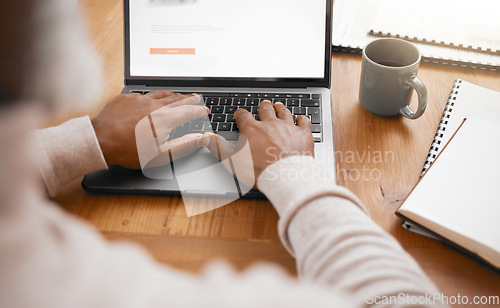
[218,146]
[243,119]
[183,146]
[165,119]
[175,149]
[157,94]
[182,114]
[266,111]
[282,112]
[304,122]
[180,100]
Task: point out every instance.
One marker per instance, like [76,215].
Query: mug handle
[419,86]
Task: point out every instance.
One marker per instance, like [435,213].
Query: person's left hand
[115,125]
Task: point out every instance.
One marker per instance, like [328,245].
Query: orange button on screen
[172,51]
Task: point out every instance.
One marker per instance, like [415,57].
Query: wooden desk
[244,232]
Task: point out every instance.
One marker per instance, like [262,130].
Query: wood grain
[244,232]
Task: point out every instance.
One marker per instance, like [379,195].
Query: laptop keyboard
[223,105]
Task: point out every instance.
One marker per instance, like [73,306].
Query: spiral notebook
[456,199]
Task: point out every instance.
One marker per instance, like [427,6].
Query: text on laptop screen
[228,38]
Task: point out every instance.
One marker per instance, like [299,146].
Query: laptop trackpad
[198,173]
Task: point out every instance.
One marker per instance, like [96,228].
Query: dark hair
[15,51]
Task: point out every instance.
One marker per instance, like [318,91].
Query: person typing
[49,259]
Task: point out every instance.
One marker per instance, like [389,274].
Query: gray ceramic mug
[388,77]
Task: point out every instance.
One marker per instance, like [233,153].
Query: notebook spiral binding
[436,143]
[427,59]
[347,49]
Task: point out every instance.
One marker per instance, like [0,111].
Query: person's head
[45,57]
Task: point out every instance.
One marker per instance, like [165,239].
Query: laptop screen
[227,39]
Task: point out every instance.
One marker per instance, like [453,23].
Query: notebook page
[466,24]
[458,197]
[471,102]
[430,52]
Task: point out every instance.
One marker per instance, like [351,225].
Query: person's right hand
[272,138]
[115,126]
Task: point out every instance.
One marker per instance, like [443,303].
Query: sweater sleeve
[67,151]
[333,239]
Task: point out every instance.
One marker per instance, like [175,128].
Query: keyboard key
[282,100]
[310,103]
[252,102]
[307,116]
[294,102]
[317,96]
[225,126]
[255,110]
[239,102]
[215,126]
[301,95]
[256,116]
[236,94]
[230,136]
[218,117]
[211,101]
[196,126]
[230,109]
[296,116]
[230,118]
[225,101]
[316,128]
[207,126]
[140,92]
[235,128]
[184,128]
[317,139]
[249,109]
[299,110]
[265,95]
[266,99]
[315,114]
[217,109]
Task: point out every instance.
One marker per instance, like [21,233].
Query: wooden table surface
[244,232]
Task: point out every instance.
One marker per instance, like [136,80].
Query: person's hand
[115,125]
[272,138]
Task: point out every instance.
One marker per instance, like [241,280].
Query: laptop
[235,54]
